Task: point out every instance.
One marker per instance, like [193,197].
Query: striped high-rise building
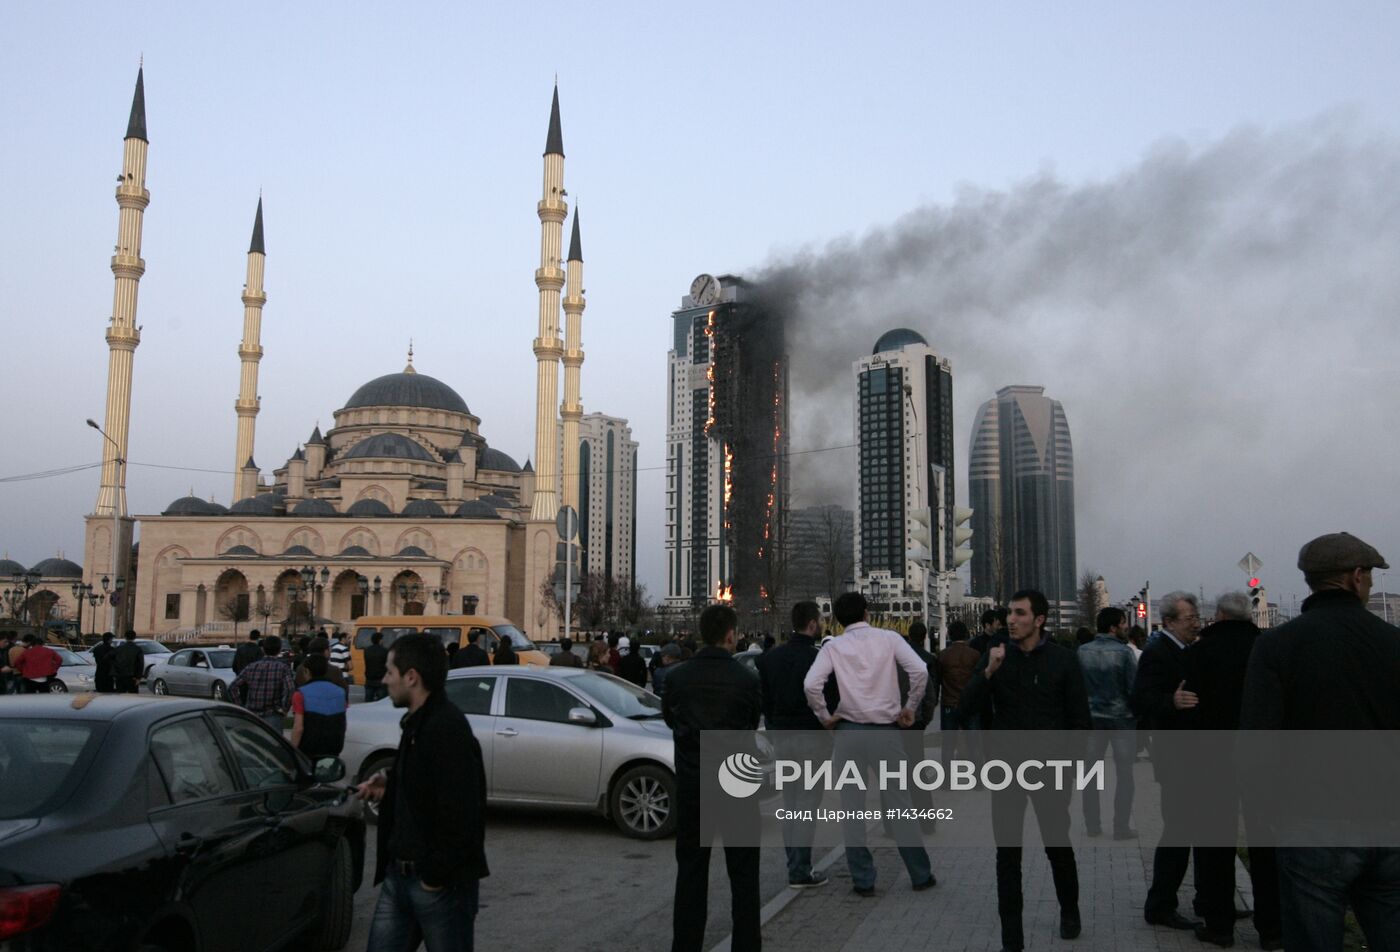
[604,481]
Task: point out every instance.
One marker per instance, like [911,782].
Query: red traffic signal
[1254,583]
[1141,610]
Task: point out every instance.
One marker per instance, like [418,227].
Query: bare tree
[835,548]
[1087,596]
[234,609]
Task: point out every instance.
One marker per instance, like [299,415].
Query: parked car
[134,822]
[74,674]
[561,738]
[551,648]
[198,672]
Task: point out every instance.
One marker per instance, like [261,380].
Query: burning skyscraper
[727,473]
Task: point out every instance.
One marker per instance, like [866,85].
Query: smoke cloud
[1217,321]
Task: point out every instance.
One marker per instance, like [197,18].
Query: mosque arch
[418,536]
[471,575]
[307,537]
[362,536]
[238,535]
[169,581]
[412,604]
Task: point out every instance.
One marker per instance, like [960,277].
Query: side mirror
[583,716]
[328,770]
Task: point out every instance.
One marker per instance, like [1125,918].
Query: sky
[1182,220]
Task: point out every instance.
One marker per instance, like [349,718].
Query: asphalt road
[572,881]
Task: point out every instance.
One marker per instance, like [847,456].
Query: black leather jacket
[1034,690]
[711,691]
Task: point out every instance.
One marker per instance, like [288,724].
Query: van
[448,629]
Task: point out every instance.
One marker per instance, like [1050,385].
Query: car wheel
[332,929]
[220,691]
[643,802]
[158,686]
[372,767]
[57,687]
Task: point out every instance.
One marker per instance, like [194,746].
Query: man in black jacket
[431,855]
[780,671]
[711,691]
[1032,684]
[1333,668]
[248,652]
[1159,697]
[376,659]
[473,655]
[102,658]
[1214,671]
[128,665]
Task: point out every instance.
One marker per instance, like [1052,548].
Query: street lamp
[442,595]
[292,590]
[80,595]
[362,584]
[313,584]
[118,462]
[19,601]
[407,591]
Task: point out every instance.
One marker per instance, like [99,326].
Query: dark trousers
[1318,883]
[1169,862]
[1052,816]
[692,900]
[374,690]
[960,734]
[126,685]
[1123,739]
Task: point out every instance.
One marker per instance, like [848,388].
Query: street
[569,881]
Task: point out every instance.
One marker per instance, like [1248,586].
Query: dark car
[136,822]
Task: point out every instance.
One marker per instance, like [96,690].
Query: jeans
[1317,883]
[274,720]
[866,745]
[797,835]
[961,734]
[1052,816]
[408,915]
[1123,738]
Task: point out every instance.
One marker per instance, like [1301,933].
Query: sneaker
[811,881]
[1069,924]
[1223,939]
[926,884]
[863,891]
[1173,920]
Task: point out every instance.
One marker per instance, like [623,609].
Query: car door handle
[508,732]
[188,843]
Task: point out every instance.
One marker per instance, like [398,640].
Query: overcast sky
[1183,221]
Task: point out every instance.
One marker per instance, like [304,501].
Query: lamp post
[407,591]
[116,517]
[81,593]
[20,600]
[293,589]
[362,584]
[313,583]
[442,595]
[378,593]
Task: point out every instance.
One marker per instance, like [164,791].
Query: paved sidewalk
[960,913]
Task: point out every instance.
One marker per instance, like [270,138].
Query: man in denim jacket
[1109,669]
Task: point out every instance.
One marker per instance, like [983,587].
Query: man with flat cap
[1336,667]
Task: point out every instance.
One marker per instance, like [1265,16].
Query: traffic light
[962,533]
[1256,593]
[920,551]
[1141,611]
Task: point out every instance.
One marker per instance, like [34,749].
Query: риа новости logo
[740,775]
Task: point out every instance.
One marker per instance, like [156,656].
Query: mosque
[400,507]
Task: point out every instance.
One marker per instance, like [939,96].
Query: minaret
[548,348]
[123,335]
[571,410]
[249,352]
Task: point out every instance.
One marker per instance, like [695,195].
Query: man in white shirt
[867,721]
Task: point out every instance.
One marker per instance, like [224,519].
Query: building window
[172,607]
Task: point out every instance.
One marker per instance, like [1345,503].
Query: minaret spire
[245,478]
[571,411]
[123,336]
[552,209]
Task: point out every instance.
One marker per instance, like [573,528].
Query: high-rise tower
[249,353]
[123,336]
[1021,483]
[571,410]
[549,350]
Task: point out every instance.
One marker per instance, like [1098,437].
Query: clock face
[704,290]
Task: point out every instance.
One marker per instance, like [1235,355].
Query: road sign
[566,522]
[1250,564]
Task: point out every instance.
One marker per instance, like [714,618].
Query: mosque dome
[260,505]
[407,389]
[389,446]
[369,508]
[496,460]
[193,506]
[241,551]
[423,508]
[898,339]
[411,552]
[10,567]
[59,568]
[476,509]
[313,507]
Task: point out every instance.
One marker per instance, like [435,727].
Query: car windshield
[220,659]
[67,657]
[40,762]
[518,641]
[621,697]
[152,647]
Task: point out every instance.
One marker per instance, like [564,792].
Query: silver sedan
[75,674]
[561,738]
[198,672]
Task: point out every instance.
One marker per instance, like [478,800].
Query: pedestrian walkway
[961,912]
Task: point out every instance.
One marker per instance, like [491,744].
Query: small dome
[59,568]
[389,446]
[241,551]
[497,501]
[260,505]
[411,552]
[369,509]
[898,339]
[354,552]
[314,507]
[410,389]
[10,567]
[476,509]
[301,551]
[423,508]
[494,459]
[193,506]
